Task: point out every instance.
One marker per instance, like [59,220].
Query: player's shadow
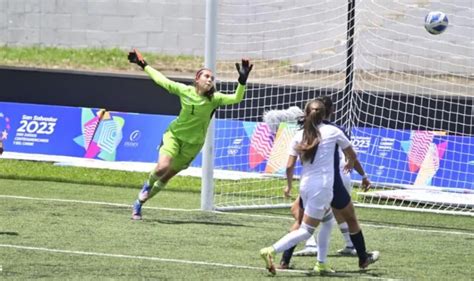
[341,256]
[348,274]
[176,222]
[11,233]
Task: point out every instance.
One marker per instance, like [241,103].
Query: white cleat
[308,251]
[348,251]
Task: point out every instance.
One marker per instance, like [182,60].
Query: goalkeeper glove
[136,57]
[244,71]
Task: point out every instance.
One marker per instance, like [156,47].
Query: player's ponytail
[210,94]
[311,135]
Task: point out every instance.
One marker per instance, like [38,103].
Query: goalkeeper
[185,136]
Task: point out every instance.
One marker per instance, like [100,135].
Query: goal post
[207,193]
[404,95]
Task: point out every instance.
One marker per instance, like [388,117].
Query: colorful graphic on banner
[279,154]
[107,137]
[89,124]
[417,158]
[423,155]
[261,142]
[4,126]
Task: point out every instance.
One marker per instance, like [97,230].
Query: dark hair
[209,94]
[308,146]
[327,104]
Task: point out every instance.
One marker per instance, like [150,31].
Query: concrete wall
[173,27]
[306,32]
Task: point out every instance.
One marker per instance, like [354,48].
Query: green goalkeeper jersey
[196,111]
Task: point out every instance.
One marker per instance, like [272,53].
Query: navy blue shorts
[341,198]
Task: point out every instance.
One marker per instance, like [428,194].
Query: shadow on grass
[174,222]
[347,274]
[354,274]
[11,233]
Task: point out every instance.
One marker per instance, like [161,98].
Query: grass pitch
[67,231]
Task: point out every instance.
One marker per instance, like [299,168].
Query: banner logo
[135,135]
[133,139]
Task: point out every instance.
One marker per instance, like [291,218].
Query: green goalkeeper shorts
[183,153]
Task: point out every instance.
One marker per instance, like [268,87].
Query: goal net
[404,95]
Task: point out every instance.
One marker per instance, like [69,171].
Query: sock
[138,202]
[152,181]
[287,254]
[359,244]
[152,178]
[157,187]
[311,242]
[345,233]
[324,236]
[293,238]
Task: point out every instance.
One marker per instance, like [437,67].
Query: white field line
[224,213]
[94,203]
[133,257]
[203,263]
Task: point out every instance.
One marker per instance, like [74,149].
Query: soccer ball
[436,22]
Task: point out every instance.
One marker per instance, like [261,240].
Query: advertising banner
[40,129]
[393,157]
[128,137]
[418,158]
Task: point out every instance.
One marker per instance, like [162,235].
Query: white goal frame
[377,85]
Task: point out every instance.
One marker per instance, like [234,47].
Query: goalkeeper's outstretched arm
[244,70]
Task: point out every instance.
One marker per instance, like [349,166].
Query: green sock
[157,187]
[152,178]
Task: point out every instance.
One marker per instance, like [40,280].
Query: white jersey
[320,173]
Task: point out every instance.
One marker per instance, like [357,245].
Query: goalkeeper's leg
[156,182]
[159,176]
[175,155]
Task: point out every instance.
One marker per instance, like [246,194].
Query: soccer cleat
[137,210]
[371,258]
[145,192]
[322,269]
[307,252]
[348,251]
[267,255]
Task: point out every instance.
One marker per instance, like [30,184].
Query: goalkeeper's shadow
[178,222]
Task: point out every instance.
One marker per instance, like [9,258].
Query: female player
[185,136]
[342,190]
[315,145]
